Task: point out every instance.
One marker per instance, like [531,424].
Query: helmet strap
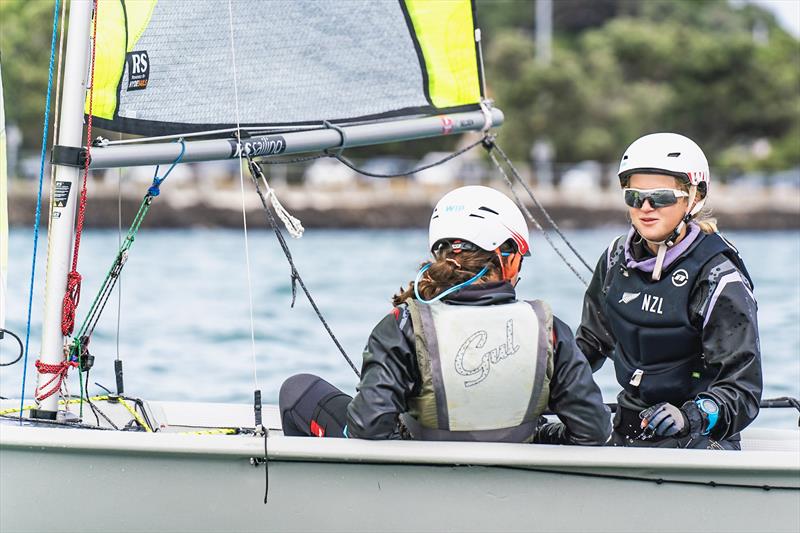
[672,239]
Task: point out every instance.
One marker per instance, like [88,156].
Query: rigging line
[56,120]
[541,207]
[119,245]
[351,166]
[112,276]
[39,201]
[255,174]
[292,161]
[244,207]
[524,208]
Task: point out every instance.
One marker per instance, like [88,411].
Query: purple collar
[672,253]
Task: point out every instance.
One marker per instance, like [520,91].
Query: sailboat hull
[131,481]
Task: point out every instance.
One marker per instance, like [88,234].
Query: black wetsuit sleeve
[574,397]
[731,347]
[389,375]
[594,336]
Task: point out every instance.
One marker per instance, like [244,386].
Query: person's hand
[665,420]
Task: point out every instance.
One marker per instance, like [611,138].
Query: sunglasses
[657,197]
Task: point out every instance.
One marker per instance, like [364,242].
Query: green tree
[25,31]
[691,67]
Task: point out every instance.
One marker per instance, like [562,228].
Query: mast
[61,230]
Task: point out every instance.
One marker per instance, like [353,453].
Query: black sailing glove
[666,420]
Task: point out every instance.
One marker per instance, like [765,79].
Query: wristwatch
[711,409]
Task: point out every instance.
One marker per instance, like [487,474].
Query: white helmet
[480,215]
[667,153]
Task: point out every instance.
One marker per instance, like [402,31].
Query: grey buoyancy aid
[485,370]
[658,351]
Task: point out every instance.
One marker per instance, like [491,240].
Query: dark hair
[449,269]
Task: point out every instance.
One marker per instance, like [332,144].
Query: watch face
[709,406]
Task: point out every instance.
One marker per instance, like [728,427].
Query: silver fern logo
[628,297]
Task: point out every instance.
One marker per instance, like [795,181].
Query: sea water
[193,323]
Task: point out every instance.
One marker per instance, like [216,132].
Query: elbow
[600,437]
[600,433]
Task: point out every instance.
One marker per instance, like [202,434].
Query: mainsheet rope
[536,222]
[538,204]
[487,141]
[257,174]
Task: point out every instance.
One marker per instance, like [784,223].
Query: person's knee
[309,405]
[294,388]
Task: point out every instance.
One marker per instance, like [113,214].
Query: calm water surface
[184,329]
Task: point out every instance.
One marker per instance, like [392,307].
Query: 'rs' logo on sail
[138,70]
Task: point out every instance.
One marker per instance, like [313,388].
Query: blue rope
[154,188]
[451,290]
[39,203]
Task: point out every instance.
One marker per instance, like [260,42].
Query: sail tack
[167,67]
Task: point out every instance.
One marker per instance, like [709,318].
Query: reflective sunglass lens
[662,198]
[632,198]
[657,198]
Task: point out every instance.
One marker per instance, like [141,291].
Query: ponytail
[703,218]
[707,223]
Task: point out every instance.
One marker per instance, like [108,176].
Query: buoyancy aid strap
[541,385]
[426,318]
[430,405]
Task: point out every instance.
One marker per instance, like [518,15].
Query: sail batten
[165,67]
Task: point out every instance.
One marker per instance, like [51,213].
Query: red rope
[59,372]
[73,292]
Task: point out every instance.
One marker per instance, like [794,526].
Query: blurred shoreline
[384,204]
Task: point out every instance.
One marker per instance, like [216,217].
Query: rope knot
[59,371]
[154,189]
[71,299]
[295,277]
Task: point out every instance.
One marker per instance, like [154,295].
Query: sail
[171,66]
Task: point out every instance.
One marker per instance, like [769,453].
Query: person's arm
[594,336]
[389,375]
[574,397]
[731,345]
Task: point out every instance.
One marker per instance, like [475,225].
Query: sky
[787,12]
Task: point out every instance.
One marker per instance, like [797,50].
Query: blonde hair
[449,269]
[703,218]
